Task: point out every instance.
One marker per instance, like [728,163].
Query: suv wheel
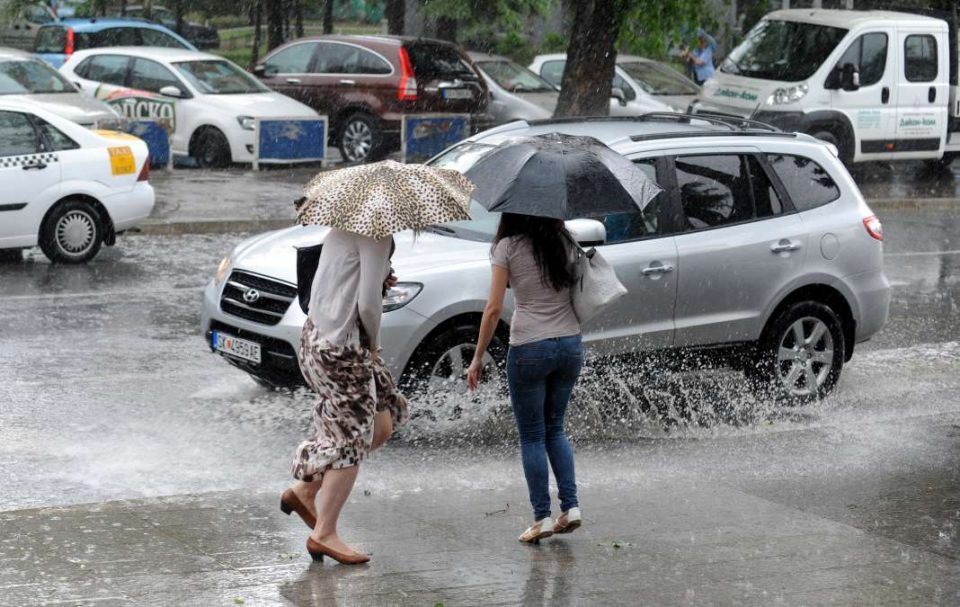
[211,149]
[72,232]
[801,354]
[361,139]
[438,369]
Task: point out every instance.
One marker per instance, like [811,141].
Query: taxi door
[30,178]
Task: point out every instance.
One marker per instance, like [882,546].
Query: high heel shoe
[318,551]
[289,502]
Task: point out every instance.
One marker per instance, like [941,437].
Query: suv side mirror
[171,91]
[618,94]
[588,232]
[260,70]
[849,77]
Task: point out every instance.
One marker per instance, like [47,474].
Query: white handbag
[597,285]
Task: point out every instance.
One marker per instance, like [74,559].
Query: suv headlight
[223,270]
[400,295]
[792,94]
[247,123]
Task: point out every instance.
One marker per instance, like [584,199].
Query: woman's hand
[474,374]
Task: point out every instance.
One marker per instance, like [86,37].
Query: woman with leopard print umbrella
[358,403]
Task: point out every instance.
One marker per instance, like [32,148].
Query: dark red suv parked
[365,84]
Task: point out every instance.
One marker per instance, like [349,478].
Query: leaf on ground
[237,600]
[615,544]
[288,555]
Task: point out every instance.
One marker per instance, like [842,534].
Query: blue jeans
[541,376]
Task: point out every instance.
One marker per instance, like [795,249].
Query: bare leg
[382,429]
[337,485]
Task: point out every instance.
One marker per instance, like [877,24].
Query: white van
[878,85]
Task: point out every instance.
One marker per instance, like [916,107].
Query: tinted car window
[17,135]
[110,69]
[335,59]
[151,76]
[808,184]
[630,226]
[552,72]
[439,62]
[765,200]
[869,54]
[291,60]
[369,63]
[51,40]
[117,36]
[920,53]
[155,38]
[714,190]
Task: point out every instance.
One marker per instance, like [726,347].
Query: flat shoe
[568,521]
[289,502]
[540,530]
[318,551]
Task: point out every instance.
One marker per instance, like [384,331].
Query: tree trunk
[396,13]
[257,36]
[178,10]
[274,23]
[447,29]
[298,18]
[328,17]
[591,56]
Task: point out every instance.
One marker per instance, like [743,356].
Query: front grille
[267,307]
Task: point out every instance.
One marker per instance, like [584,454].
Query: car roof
[847,19]
[14,53]
[95,24]
[620,58]
[374,38]
[161,53]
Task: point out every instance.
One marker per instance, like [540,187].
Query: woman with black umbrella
[537,183]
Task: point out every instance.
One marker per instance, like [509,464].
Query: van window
[869,54]
[552,71]
[920,58]
[783,50]
[808,184]
[17,135]
[51,40]
[291,60]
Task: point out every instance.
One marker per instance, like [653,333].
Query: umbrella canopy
[559,176]
[383,198]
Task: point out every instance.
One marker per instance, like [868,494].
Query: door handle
[347,82]
[885,95]
[38,166]
[784,246]
[932,94]
[293,81]
[656,270]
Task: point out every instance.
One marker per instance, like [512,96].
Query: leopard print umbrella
[383,198]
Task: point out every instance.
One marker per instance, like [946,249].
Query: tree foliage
[503,16]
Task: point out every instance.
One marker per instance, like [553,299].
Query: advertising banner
[423,136]
[288,140]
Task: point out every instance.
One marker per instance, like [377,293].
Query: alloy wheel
[805,356]
[357,140]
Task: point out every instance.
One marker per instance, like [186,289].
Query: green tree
[453,16]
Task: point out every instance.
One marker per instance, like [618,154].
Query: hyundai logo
[251,296]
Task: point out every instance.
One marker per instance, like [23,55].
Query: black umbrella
[559,176]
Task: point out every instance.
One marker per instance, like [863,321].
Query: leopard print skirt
[351,389]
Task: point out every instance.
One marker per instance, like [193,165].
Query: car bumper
[400,333]
[873,294]
[127,209]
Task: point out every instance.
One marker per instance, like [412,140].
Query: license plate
[457,94]
[234,346]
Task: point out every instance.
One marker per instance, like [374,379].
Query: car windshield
[515,78]
[218,77]
[25,77]
[656,79]
[783,50]
[483,224]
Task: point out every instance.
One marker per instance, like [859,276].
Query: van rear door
[923,92]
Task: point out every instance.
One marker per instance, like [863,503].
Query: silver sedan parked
[516,93]
[760,246]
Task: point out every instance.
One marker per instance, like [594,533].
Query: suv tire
[72,232]
[446,356]
[211,149]
[361,138]
[803,345]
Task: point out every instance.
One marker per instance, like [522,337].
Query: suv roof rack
[734,123]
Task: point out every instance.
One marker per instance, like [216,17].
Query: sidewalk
[238,200]
[665,543]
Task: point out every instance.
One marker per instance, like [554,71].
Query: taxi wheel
[72,232]
[211,149]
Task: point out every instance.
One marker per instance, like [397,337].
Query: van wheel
[361,139]
[939,164]
[438,369]
[211,149]
[72,232]
[800,355]
[844,147]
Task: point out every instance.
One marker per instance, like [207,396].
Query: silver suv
[760,247]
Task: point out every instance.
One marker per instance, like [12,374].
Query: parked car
[67,188]
[57,41]
[208,104]
[760,247]
[365,84]
[20,30]
[516,93]
[201,36]
[639,85]
[23,77]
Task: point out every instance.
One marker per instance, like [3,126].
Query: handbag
[308,258]
[596,286]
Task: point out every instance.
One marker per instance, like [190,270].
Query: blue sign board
[156,138]
[286,140]
[426,135]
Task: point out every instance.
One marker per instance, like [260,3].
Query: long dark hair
[550,242]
